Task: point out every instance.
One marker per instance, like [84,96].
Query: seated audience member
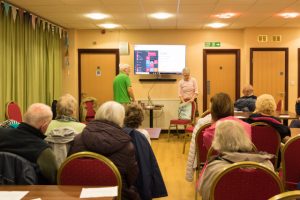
[233,145]
[10,123]
[264,112]
[133,119]
[192,157]
[221,109]
[296,122]
[66,115]
[105,136]
[247,102]
[149,183]
[28,141]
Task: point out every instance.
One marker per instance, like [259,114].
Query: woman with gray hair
[105,136]
[66,115]
[233,145]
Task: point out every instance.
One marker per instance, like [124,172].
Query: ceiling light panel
[97,16]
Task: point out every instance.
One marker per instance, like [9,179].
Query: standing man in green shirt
[123,92]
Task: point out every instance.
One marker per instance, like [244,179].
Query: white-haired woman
[264,112]
[66,115]
[233,145]
[105,136]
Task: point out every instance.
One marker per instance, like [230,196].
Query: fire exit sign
[212,44]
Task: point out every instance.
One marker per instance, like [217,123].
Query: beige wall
[194,41]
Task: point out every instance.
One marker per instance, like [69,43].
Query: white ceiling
[188,14]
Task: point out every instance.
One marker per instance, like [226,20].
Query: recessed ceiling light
[97,16]
[161,15]
[108,26]
[289,15]
[225,15]
[216,25]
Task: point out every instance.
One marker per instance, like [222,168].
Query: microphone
[149,98]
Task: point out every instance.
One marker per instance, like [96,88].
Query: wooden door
[269,73]
[97,70]
[221,74]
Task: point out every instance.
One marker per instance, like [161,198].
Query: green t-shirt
[121,85]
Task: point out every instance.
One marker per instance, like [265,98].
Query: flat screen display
[159,59]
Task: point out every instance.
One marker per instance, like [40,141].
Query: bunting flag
[33,21]
[21,13]
[6,7]
[14,12]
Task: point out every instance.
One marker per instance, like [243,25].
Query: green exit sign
[212,44]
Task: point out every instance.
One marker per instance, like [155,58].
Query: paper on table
[12,195]
[99,192]
[284,116]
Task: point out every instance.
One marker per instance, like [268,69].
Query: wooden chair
[291,195]
[89,169]
[13,111]
[291,163]
[183,122]
[88,108]
[266,139]
[247,181]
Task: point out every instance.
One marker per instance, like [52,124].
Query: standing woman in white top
[188,88]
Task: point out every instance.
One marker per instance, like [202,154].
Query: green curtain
[30,60]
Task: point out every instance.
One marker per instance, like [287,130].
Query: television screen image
[159,59]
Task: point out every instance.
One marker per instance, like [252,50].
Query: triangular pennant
[33,20]
[14,12]
[21,13]
[6,7]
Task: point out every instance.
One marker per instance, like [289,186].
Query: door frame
[207,52]
[286,69]
[298,82]
[95,51]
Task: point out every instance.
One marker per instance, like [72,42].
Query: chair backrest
[205,113]
[291,163]
[13,111]
[16,170]
[89,169]
[279,105]
[247,181]
[291,195]
[88,109]
[266,139]
[200,148]
[193,116]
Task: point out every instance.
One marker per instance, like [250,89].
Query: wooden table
[151,108]
[62,192]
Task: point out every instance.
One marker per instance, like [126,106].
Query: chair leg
[169,133]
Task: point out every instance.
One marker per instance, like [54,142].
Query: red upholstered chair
[89,169]
[279,105]
[291,195]
[183,122]
[291,163]
[13,111]
[201,151]
[88,109]
[247,181]
[267,139]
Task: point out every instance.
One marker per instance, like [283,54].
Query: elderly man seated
[28,142]
[247,102]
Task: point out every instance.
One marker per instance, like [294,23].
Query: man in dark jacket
[28,142]
[247,102]
[105,136]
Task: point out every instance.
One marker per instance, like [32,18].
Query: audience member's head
[248,90]
[230,136]
[66,105]
[39,116]
[111,111]
[221,106]
[265,104]
[134,116]
[186,74]
[125,68]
